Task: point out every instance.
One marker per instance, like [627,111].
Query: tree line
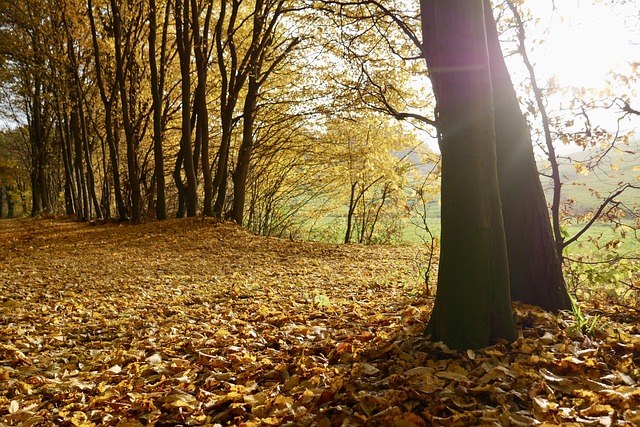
[149,109]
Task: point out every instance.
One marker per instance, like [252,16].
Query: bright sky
[586,39]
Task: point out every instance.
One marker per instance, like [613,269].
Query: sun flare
[585,42]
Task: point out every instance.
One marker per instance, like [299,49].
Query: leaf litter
[199,323]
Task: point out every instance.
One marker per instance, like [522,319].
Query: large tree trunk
[534,266]
[473,305]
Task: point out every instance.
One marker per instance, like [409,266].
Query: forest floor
[193,322]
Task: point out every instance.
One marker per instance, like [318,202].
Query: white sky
[585,39]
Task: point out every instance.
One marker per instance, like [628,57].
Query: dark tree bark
[244,155]
[232,80]
[184,51]
[39,154]
[201,48]
[131,137]
[182,189]
[83,195]
[535,268]
[473,305]
[352,207]
[157,88]
[70,197]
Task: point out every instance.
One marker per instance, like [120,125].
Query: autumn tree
[473,306]
[535,268]
[108,87]
[79,109]
[269,48]
[184,39]
[157,64]
[25,31]
[534,265]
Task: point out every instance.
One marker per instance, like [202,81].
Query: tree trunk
[65,142]
[184,51]
[157,88]
[10,203]
[473,305]
[78,103]
[182,189]
[231,80]
[131,137]
[39,191]
[350,212]
[91,188]
[107,101]
[535,269]
[83,199]
[222,171]
[246,148]
[202,124]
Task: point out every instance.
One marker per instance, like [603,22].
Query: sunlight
[585,41]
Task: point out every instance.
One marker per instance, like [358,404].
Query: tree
[10,172]
[535,268]
[473,306]
[124,39]
[265,43]
[108,97]
[202,54]
[157,88]
[26,29]
[184,37]
[79,120]
[534,265]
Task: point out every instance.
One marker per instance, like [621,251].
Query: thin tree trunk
[184,51]
[40,197]
[244,156]
[157,88]
[352,208]
[78,103]
[83,211]
[182,189]
[200,106]
[107,101]
[132,142]
[67,162]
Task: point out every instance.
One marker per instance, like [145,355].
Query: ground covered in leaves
[193,322]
